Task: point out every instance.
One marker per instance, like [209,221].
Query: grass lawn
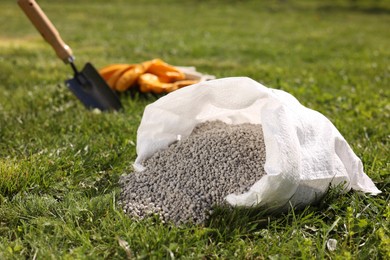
[60,164]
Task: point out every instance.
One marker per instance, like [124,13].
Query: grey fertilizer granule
[184,182]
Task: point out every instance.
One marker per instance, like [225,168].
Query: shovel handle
[39,19]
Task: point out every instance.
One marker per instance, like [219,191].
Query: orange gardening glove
[152,76]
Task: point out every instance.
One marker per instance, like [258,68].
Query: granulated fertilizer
[184,182]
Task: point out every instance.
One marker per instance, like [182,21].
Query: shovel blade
[91,89]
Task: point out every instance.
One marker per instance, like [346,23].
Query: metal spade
[87,85]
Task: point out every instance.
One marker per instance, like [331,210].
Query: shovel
[87,85]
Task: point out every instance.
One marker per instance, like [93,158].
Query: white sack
[305,153]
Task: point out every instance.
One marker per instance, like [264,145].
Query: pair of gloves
[151,76]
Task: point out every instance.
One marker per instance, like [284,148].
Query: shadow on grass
[135,94]
[229,222]
[353,8]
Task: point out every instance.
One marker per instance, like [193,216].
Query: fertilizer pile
[184,182]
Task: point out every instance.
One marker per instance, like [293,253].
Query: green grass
[59,163]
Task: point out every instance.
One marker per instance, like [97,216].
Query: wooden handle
[47,29]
